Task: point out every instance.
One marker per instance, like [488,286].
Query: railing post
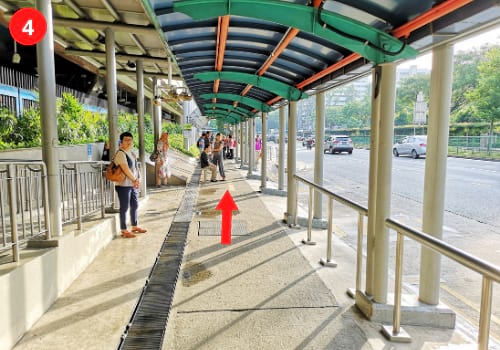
[310,204]
[396,333]
[296,217]
[101,190]
[13,211]
[359,256]
[485,314]
[78,198]
[45,194]
[329,232]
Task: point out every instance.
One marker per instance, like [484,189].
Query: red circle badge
[27,26]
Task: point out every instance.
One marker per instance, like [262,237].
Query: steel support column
[48,120]
[435,169]
[111,91]
[243,143]
[281,156]
[318,153]
[140,116]
[251,146]
[384,173]
[291,162]
[156,110]
[263,163]
[236,150]
[372,180]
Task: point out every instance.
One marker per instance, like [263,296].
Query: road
[471,218]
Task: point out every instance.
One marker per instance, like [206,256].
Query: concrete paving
[263,291]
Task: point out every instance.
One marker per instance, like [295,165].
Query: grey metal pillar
[318,153]
[251,146]
[435,169]
[281,156]
[185,110]
[111,91]
[291,162]
[372,179]
[48,120]
[243,144]
[156,110]
[263,163]
[236,151]
[140,115]
[384,172]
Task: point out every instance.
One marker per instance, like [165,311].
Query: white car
[414,146]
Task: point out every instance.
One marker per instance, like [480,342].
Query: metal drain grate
[147,325]
[213,228]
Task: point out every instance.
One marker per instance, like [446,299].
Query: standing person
[205,162]
[258,149]
[230,146]
[207,138]
[217,155]
[162,171]
[224,147]
[105,152]
[201,143]
[127,190]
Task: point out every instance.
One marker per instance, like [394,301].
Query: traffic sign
[27,26]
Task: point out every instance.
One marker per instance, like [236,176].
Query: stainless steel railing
[24,212]
[84,190]
[489,272]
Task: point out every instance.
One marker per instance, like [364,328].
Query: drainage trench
[146,327]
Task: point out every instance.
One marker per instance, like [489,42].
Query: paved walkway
[264,291]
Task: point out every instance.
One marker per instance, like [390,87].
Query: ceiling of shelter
[241,57]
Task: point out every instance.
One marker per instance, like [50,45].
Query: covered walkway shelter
[240,59]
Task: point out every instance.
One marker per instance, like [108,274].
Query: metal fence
[23,204]
[84,190]
[489,272]
[24,213]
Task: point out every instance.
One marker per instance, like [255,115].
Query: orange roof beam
[405,30]
[425,18]
[222,30]
[291,33]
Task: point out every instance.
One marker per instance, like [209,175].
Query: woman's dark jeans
[127,197]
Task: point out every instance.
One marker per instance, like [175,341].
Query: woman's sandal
[139,230]
[127,234]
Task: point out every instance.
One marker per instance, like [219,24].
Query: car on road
[338,144]
[414,146]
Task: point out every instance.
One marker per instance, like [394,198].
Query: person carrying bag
[127,190]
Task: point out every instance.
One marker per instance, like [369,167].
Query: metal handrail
[23,195]
[24,204]
[362,212]
[490,272]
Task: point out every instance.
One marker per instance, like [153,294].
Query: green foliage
[406,95]
[69,119]
[485,98]
[27,131]
[172,128]
[7,123]
[465,76]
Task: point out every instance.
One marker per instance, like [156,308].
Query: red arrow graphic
[226,205]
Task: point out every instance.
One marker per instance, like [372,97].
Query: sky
[491,37]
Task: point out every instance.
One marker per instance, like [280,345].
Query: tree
[485,98]
[465,75]
[406,95]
